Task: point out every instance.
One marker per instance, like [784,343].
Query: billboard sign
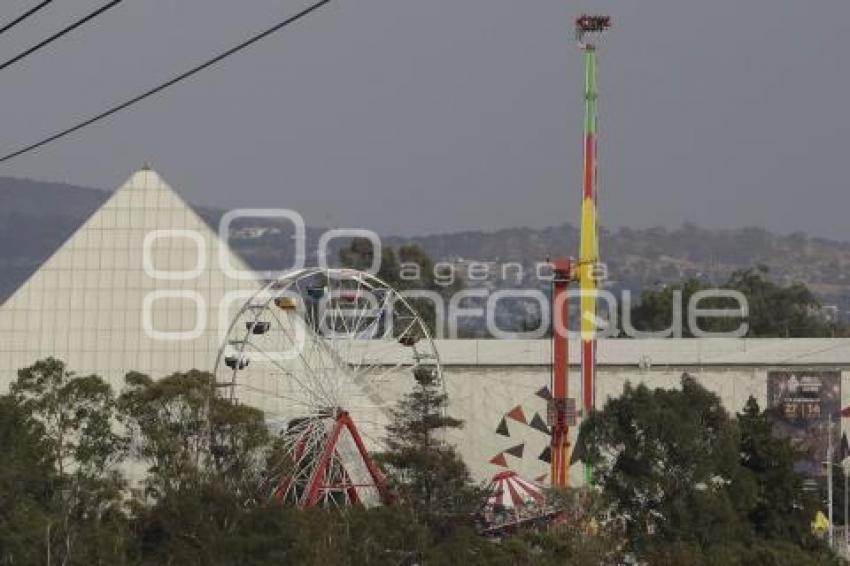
[803,403]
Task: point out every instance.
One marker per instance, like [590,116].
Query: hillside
[644,258]
[35,218]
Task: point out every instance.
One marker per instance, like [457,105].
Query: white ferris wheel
[326,353]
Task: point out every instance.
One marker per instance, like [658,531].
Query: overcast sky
[422,116]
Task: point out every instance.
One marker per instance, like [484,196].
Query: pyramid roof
[137,287]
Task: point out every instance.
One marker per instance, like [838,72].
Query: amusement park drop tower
[588,268]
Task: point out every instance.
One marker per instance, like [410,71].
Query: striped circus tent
[508,491]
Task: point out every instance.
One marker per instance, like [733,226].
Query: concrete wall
[487,379]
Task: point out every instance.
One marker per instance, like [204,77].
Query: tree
[654,312]
[77,419]
[774,310]
[206,458]
[427,474]
[27,479]
[360,254]
[78,415]
[188,435]
[690,485]
[408,269]
[584,538]
[782,510]
[667,464]
[790,311]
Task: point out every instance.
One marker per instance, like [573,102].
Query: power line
[59,34]
[179,78]
[24,16]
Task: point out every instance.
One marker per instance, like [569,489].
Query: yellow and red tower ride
[586,269]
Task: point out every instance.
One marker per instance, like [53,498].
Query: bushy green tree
[774,310]
[667,464]
[76,418]
[27,481]
[187,435]
[677,481]
[777,311]
[205,459]
[654,311]
[407,269]
[582,540]
[691,485]
[77,414]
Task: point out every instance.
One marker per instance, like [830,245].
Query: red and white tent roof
[509,491]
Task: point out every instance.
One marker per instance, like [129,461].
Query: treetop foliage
[685,482]
[775,310]
[678,481]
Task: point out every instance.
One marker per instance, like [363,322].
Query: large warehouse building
[146,265]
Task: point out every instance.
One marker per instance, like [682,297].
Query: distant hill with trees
[35,218]
[645,258]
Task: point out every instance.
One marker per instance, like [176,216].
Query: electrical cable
[59,34]
[179,78]
[31,12]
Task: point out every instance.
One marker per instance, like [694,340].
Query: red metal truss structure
[330,466]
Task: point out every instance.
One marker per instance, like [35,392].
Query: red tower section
[561,408]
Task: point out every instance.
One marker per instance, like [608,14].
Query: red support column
[377,477]
[315,486]
[560,447]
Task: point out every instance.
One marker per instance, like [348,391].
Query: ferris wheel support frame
[316,485]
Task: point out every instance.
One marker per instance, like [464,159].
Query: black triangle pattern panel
[517,450]
[503,428]
[537,423]
[544,393]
